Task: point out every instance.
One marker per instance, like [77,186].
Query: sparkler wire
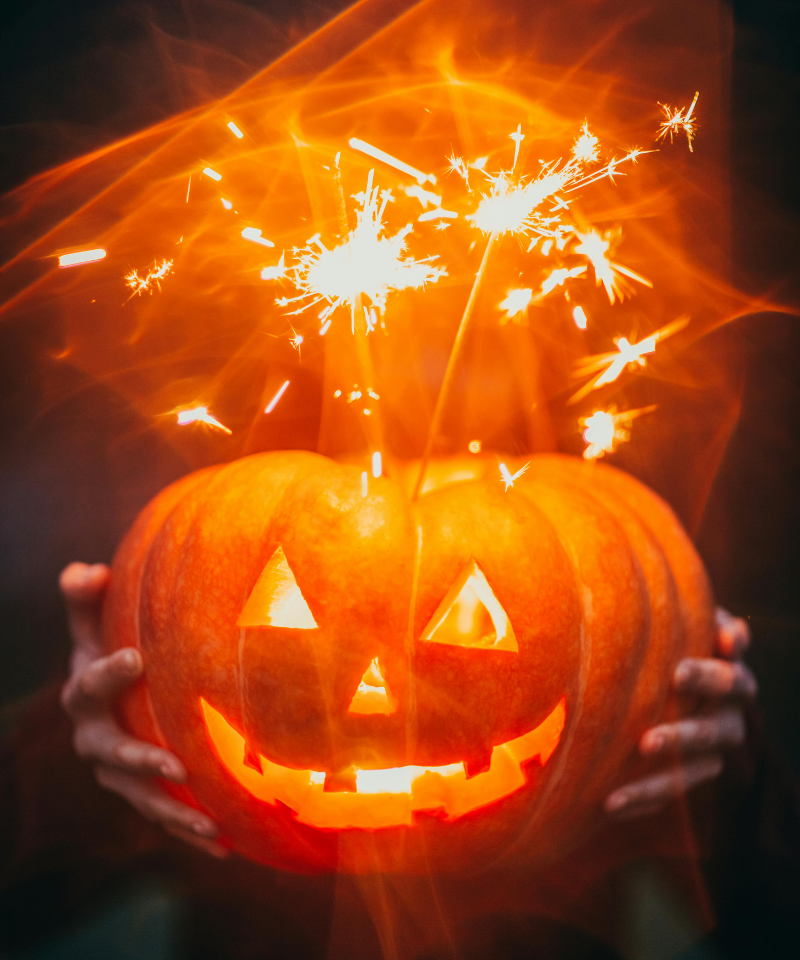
[452,362]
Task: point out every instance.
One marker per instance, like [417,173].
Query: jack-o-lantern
[355,680]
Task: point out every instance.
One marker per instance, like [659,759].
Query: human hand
[725,684]
[122,763]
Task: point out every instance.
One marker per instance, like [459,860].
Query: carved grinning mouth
[386,797]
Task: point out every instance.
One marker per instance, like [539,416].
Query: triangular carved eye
[276,600]
[471,616]
[373,695]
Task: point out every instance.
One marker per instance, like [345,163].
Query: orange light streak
[273,402]
[676,120]
[200,415]
[81,256]
[363,147]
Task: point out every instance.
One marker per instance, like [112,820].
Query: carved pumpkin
[355,681]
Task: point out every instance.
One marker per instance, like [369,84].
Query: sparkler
[81,256]
[200,415]
[604,429]
[508,477]
[677,120]
[153,277]
[276,272]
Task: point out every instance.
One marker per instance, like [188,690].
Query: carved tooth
[479,764]
[252,759]
[342,781]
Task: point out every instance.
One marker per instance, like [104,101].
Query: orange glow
[386,797]
[471,616]
[200,415]
[676,120]
[276,599]
[373,695]
[474,446]
[81,256]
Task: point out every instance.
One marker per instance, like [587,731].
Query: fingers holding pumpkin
[154,804]
[715,679]
[733,634]
[721,730]
[102,741]
[649,794]
[83,586]
[202,843]
[94,687]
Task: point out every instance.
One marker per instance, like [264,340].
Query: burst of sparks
[511,206]
[153,277]
[278,394]
[518,136]
[677,120]
[604,429]
[367,264]
[81,256]
[200,415]
[377,154]
[598,248]
[612,364]
[296,340]
[508,477]
[516,304]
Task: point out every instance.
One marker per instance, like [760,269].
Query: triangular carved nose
[373,695]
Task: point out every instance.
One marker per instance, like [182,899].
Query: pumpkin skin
[602,589]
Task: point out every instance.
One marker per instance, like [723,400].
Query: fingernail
[616,802]
[652,743]
[172,772]
[682,672]
[204,828]
[130,660]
